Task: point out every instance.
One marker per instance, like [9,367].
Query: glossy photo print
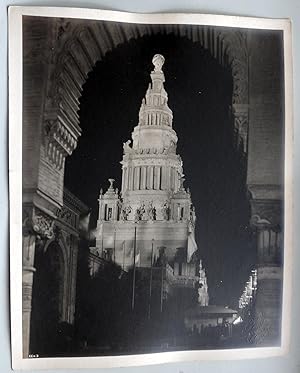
[154,221]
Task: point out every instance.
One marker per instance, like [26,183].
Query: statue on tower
[140,211]
[166,211]
[111,184]
[125,211]
[126,147]
[193,215]
[151,211]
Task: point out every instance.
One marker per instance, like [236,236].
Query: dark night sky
[199,92]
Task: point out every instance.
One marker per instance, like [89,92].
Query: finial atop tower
[111,184]
[158,60]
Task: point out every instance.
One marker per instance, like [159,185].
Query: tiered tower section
[153,213]
[152,171]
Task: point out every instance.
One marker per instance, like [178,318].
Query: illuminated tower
[153,208]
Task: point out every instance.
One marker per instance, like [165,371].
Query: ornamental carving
[240,83]
[241,123]
[266,213]
[65,215]
[162,150]
[59,142]
[36,222]
[258,221]
[42,224]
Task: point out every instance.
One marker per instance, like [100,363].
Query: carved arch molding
[77,47]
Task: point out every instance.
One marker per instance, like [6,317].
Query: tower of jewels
[151,220]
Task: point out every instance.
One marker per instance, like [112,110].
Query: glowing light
[238,320]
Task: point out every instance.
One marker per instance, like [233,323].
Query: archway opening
[200,95]
[48,298]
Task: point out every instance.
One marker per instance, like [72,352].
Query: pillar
[37,226]
[27,282]
[151,177]
[124,179]
[137,178]
[168,178]
[172,185]
[128,178]
[266,221]
[156,182]
[131,178]
[143,177]
[163,177]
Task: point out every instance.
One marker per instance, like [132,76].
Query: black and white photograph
[154,186]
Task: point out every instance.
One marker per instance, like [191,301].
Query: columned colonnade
[149,177]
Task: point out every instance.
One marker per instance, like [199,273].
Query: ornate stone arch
[77,47]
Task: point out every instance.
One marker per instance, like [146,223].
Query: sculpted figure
[193,215]
[172,147]
[140,211]
[126,147]
[126,210]
[166,211]
[151,211]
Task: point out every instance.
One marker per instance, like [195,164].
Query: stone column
[132,178]
[143,177]
[168,178]
[128,178]
[163,178]
[172,186]
[74,242]
[158,183]
[268,301]
[27,282]
[124,174]
[36,227]
[151,177]
[137,177]
[156,177]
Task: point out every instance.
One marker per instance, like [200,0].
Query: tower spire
[154,110]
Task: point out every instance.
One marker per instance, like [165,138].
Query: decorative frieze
[66,215]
